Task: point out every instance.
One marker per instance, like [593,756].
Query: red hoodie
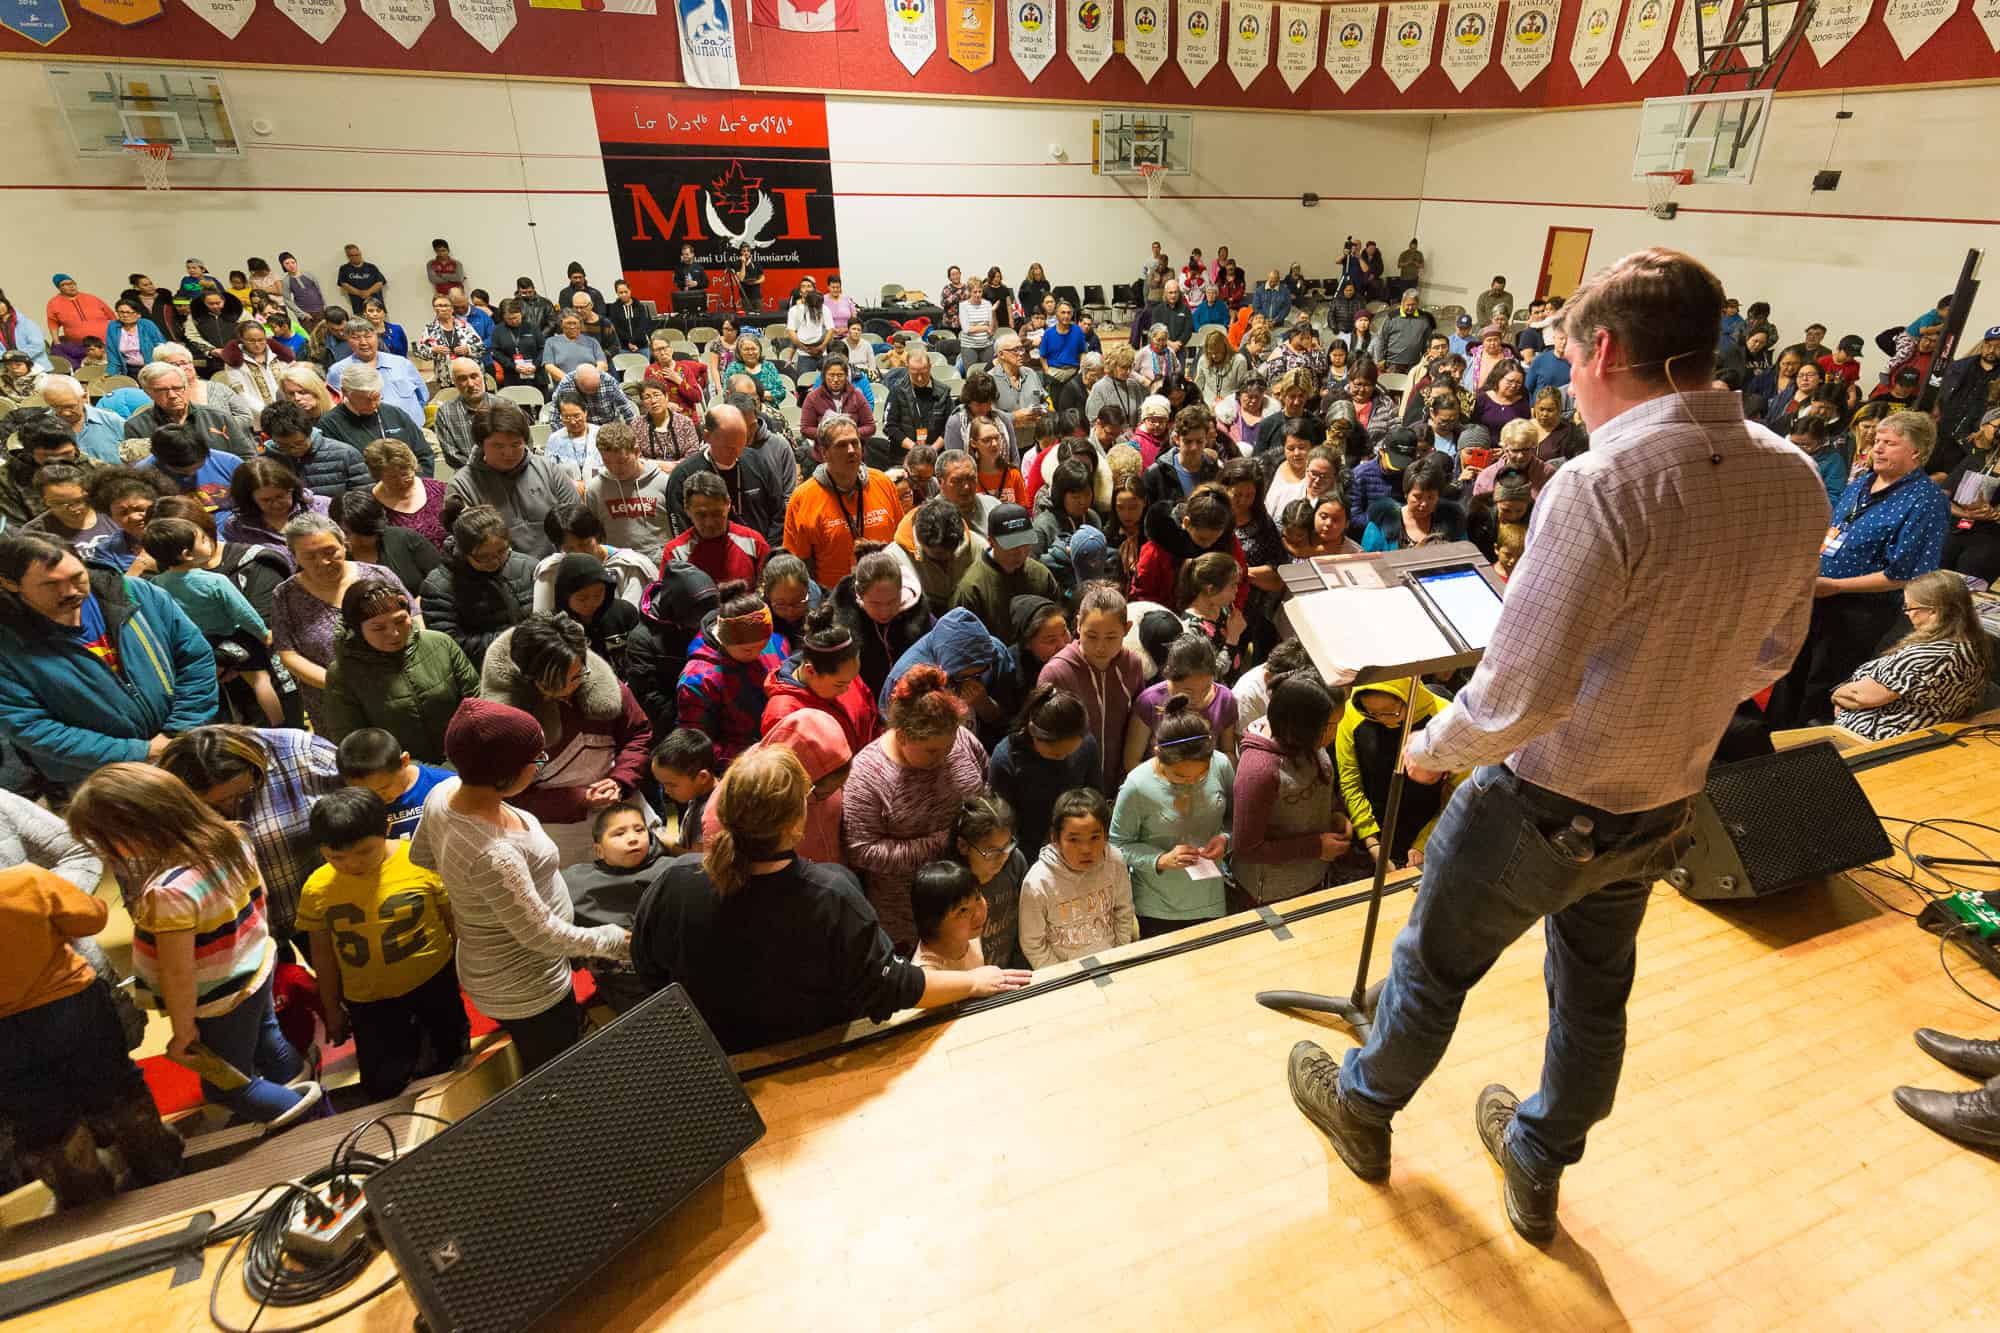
[854,710]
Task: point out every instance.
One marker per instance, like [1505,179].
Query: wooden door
[1562,261]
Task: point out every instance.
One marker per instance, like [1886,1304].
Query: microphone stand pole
[1357,1009]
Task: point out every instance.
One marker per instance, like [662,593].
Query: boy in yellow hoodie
[1364,754]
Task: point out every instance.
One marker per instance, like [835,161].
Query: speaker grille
[1796,815]
[499,1216]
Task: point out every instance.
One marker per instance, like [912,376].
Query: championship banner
[316,18]
[1407,34]
[599,6]
[1988,14]
[225,16]
[708,43]
[1091,24]
[1833,26]
[1531,39]
[1468,41]
[1031,36]
[1911,23]
[1201,38]
[1714,18]
[717,171]
[807,15]
[40,21]
[124,13]
[1298,43]
[1146,27]
[1590,45]
[488,22]
[1645,36]
[1249,40]
[912,31]
[404,20]
[969,33]
[1350,42]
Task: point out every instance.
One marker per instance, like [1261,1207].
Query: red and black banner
[715,170]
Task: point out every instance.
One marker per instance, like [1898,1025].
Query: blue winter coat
[958,643]
[149,338]
[70,713]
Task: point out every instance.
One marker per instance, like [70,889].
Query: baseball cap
[1993,332]
[1089,553]
[1465,321]
[1908,378]
[1399,446]
[16,354]
[1009,528]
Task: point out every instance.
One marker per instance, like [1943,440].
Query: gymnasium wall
[510,172]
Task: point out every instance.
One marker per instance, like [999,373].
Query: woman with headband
[721,691]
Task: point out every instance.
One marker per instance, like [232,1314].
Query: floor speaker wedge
[1768,823]
[494,1221]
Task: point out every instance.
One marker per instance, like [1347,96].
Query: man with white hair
[97,430]
[172,405]
[1172,312]
[453,422]
[1023,396]
[603,401]
[201,392]
[402,386]
[364,416]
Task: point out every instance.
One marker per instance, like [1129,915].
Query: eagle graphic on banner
[738,194]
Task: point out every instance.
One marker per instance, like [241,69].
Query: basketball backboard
[109,107]
[1717,136]
[1127,140]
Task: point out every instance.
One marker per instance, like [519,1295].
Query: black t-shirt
[784,956]
[363,275]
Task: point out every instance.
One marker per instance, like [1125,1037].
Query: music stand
[1401,615]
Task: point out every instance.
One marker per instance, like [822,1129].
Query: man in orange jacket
[843,503]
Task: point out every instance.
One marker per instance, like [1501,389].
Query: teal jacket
[70,713]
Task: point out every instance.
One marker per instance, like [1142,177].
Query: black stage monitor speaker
[499,1217]
[1768,823]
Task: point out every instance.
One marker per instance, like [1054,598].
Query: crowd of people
[881,703]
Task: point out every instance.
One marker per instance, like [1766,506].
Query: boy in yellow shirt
[382,946]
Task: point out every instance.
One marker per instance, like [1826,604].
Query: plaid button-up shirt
[1658,591]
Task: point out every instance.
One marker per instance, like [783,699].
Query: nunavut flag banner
[717,170]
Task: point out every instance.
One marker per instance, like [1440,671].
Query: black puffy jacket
[475,607]
[330,467]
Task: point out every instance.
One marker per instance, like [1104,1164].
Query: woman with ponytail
[771,947]
[1049,751]
[823,674]
[904,790]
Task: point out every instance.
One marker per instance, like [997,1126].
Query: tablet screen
[1467,600]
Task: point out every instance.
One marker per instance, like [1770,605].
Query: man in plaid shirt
[1668,576]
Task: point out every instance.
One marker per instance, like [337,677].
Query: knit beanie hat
[490,743]
[1475,437]
[1512,485]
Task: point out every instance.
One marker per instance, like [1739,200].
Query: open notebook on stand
[1395,615]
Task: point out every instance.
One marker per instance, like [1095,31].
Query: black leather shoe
[1971,1118]
[1315,1079]
[1974,1059]
[1531,1205]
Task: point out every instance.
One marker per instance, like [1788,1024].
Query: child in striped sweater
[200,943]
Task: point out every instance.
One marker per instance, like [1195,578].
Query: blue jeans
[248,1037]
[1490,872]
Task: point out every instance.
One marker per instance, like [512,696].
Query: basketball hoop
[152,159]
[1156,180]
[1660,187]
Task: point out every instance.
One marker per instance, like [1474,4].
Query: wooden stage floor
[1126,1155]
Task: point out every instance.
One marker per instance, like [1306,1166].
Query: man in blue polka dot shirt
[1888,527]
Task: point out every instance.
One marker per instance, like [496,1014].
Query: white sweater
[1067,915]
[510,908]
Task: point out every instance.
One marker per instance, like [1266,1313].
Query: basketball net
[1660,187]
[152,159]
[1156,181]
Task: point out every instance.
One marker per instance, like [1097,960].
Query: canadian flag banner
[807,15]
